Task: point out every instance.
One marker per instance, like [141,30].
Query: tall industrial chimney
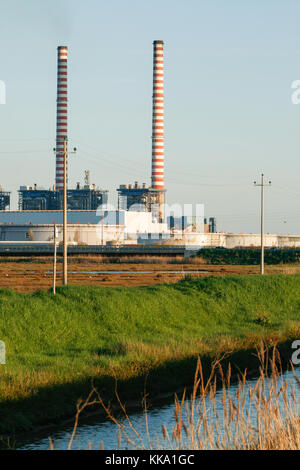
[61,113]
[158,117]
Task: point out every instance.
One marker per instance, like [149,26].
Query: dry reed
[262,415]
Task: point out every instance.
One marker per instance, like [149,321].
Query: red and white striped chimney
[61,113]
[158,117]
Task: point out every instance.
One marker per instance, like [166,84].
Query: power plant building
[86,198]
[4,199]
[140,215]
[139,198]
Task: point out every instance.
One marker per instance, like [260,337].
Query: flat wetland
[31,274]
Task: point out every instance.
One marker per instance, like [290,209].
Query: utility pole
[65,210]
[54,261]
[262,221]
[65,241]
[102,230]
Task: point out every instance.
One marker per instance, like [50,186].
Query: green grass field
[57,345]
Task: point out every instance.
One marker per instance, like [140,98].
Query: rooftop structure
[4,199]
[87,197]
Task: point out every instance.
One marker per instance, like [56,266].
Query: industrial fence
[42,249]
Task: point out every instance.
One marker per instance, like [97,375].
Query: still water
[91,433]
[132,272]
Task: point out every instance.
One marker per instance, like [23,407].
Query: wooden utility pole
[262,222]
[54,261]
[65,241]
[65,211]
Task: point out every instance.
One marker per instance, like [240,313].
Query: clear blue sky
[229,66]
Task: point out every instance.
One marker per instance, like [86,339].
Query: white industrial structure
[84,227]
[123,227]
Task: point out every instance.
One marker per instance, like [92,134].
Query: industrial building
[4,199]
[124,229]
[84,227]
[47,217]
[87,197]
[187,223]
[210,225]
[140,215]
[36,199]
[140,198]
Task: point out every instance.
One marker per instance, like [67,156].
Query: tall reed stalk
[263,415]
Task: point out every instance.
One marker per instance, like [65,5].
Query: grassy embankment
[57,345]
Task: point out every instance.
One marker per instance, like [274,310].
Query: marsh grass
[261,416]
